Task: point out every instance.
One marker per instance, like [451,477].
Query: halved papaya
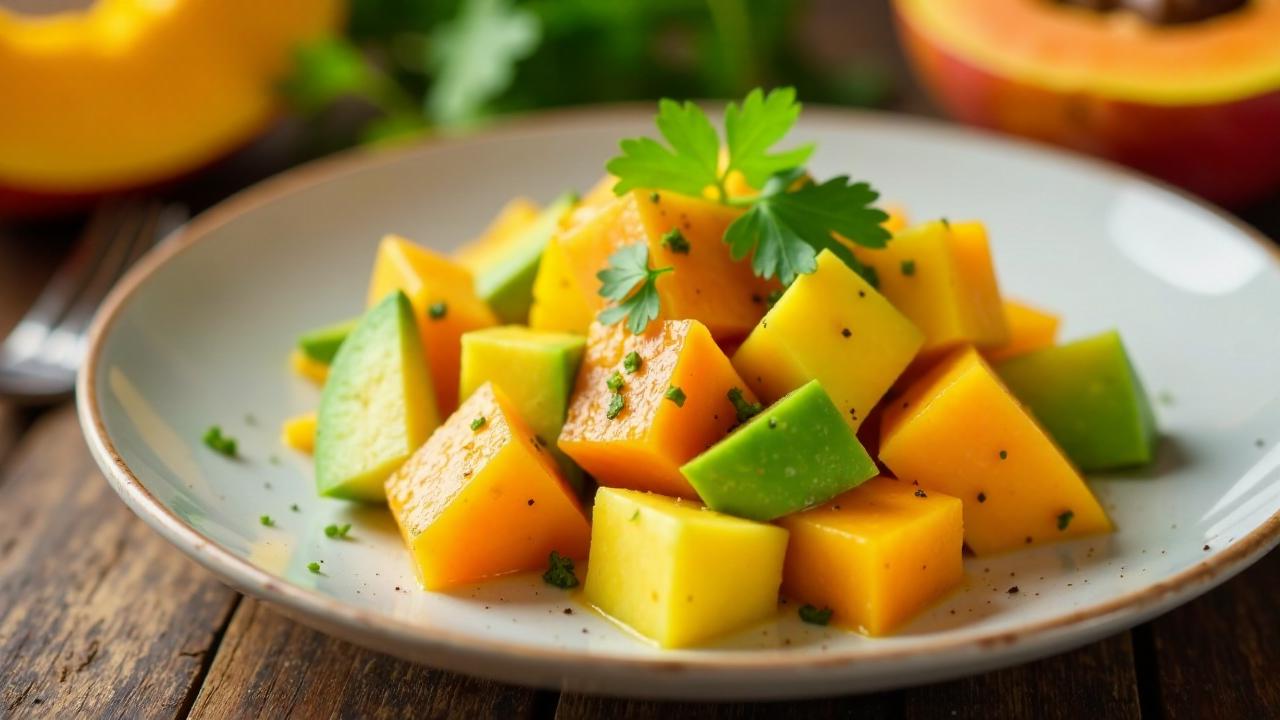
[1195,103]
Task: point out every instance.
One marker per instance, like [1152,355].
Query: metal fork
[39,358]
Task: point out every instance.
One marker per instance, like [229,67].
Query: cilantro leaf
[560,572]
[786,229]
[474,55]
[687,167]
[760,123]
[629,281]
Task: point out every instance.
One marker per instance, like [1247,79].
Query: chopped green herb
[633,286]
[654,197]
[946,223]
[337,532]
[1004,455]
[560,572]
[1064,519]
[294,507]
[266,521]
[675,395]
[615,382]
[437,310]
[631,362]
[314,568]
[908,267]
[814,616]
[616,404]
[745,410]
[219,443]
[675,241]
[478,423]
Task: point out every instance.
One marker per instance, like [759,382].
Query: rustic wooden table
[101,617]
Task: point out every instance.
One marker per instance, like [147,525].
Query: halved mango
[482,497]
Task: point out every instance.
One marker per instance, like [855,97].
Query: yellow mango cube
[445,304]
[830,326]
[559,304]
[959,431]
[299,432]
[876,555]
[517,215]
[677,573]
[940,275]
[1029,329]
[483,497]
[307,368]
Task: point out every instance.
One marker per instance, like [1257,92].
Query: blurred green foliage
[419,64]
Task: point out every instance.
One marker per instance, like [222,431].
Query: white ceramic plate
[199,334]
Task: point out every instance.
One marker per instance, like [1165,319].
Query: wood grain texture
[868,707]
[1096,682]
[1219,656]
[270,666]
[99,616]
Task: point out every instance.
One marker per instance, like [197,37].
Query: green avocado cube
[507,284]
[797,453]
[534,368]
[377,406]
[1088,397]
[322,344]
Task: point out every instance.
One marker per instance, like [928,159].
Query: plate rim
[441,643]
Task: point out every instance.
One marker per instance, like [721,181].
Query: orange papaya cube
[483,498]
[708,285]
[876,555]
[940,275]
[559,304]
[958,430]
[444,302]
[1029,329]
[670,408]
[829,326]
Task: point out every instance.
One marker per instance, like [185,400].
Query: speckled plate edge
[722,677]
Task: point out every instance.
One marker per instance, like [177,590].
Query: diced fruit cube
[322,344]
[482,497]
[513,219]
[377,406]
[831,326]
[534,369]
[677,573]
[505,264]
[299,432]
[558,304]
[308,369]
[444,302]
[797,453]
[1029,329]
[634,428]
[1088,396]
[940,275]
[876,555]
[707,285]
[959,431]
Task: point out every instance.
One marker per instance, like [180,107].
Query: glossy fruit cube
[1029,329]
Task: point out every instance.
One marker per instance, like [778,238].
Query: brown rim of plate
[313,606]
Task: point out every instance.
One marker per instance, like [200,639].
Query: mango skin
[877,555]
[376,408]
[958,430]
[1087,394]
[678,574]
[797,453]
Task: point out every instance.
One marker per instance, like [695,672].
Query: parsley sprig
[630,282]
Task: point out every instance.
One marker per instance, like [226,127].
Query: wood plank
[270,666]
[1219,656]
[866,707]
[1095,682]
[98,615]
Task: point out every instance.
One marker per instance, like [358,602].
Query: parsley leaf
[560,572]
[784,230]
[760,123]
[744,410]
[629,281]
[687,167]
[474,55]
[219,443]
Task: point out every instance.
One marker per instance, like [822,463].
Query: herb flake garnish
[479,422]
[675,241]
[815,616]
[560,572]
[266,521]
[314,568]
[675,395]
[631,362]
[616,404]
[908,267]
[437,310]
[633,285]
[337,532]
[745,410]
[219,443]
[1064,520]
[615,382]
